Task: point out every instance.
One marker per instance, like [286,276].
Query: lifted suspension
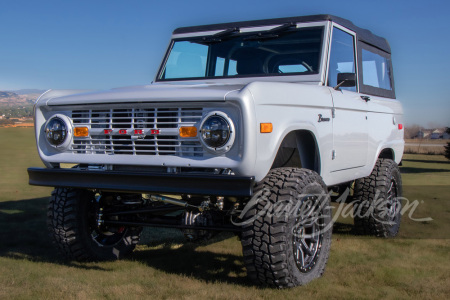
[156,216]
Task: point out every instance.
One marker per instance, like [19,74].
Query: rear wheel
[72,220]
[287,233]
[377,206]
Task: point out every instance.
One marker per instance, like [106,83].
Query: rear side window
[377,75]
[376,70]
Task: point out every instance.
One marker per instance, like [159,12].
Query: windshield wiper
[272,33]
[216,38]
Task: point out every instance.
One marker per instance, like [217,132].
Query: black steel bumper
[214,185]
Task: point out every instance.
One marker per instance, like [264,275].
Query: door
[350,125]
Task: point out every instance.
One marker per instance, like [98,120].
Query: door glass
[342,57]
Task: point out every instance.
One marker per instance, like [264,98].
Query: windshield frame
[289,77]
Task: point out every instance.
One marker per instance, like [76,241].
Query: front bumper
[192,184]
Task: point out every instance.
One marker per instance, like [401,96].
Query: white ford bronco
[250,127]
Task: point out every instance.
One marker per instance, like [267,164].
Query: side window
[376,70]
[342,57]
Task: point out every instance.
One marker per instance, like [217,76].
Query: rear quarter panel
[385,115]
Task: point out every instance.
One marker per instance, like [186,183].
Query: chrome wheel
[308,234]
[392,201]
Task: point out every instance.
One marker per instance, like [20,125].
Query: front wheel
[286,235]
[72,223]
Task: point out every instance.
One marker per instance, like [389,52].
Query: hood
[147,93]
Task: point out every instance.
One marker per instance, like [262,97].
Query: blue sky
[100,44]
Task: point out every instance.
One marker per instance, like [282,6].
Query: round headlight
[217,132]
[56,131]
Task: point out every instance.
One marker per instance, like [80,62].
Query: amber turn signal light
[186,132]
[80,131]
[266,127]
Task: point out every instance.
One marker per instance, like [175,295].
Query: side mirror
[345,80]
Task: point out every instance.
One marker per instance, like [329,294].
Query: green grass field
[414,265]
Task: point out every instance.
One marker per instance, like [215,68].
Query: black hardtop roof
[363,35]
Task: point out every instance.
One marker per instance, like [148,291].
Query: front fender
[290,107]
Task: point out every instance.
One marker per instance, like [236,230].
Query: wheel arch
[299,148]
[387,153]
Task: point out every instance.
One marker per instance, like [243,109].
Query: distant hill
[4,95]
[28,91]
[18,98]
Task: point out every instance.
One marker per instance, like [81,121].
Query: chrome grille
[137,131]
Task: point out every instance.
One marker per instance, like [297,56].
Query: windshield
[232,54]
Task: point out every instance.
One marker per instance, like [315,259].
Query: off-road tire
[268,238]
[70,227]
[377,200]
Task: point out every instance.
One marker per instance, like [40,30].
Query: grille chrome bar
[112,131]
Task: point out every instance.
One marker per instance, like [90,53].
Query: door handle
[365,98]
